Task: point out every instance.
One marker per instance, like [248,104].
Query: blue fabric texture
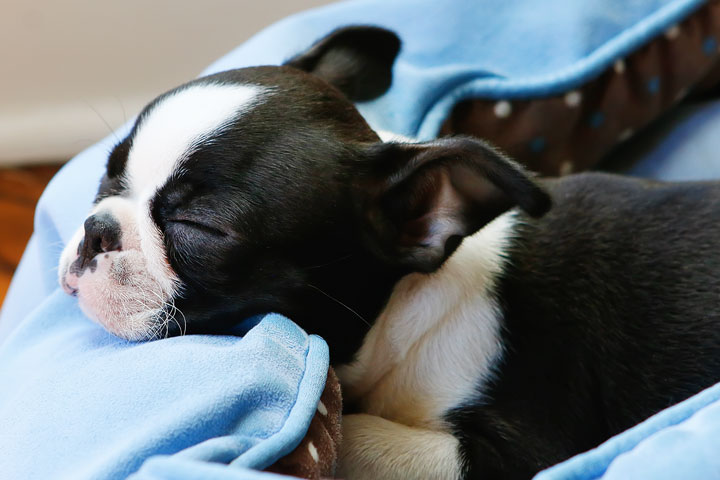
[78,403]
[685,148]
[680,442]
[459,49]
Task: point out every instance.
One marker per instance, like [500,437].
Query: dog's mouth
[127,291]
[115,290]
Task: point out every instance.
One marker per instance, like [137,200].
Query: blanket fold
[79,403]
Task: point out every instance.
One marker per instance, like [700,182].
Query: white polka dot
[566,167]
[502,109]
[619,66]
[673,32]
[321,408]
[625,134]
[313,452]
[573,98]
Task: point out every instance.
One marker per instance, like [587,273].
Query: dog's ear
[356,60]
[418,201]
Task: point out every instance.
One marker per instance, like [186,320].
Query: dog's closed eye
[195,224]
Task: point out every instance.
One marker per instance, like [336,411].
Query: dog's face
[264,189]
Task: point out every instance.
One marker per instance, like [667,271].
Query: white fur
[374,448]
[129,289]
[388,136]
[437,339]
[123,293]
[429,351]
[166,137]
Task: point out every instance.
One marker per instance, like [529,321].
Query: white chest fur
[438,338]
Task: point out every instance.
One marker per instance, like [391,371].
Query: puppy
[483,324]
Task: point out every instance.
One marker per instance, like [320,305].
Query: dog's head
[263,189]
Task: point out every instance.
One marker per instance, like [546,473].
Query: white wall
[70,70]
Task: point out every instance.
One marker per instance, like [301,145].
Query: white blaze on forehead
[131,287]
[170,130]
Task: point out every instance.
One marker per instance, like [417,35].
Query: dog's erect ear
[356,60]
[418,201]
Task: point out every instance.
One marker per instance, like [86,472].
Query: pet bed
[79,403]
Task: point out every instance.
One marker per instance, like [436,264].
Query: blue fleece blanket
[456,49]
[78,403]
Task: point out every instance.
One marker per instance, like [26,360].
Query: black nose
[102,234]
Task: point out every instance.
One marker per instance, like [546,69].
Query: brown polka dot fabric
[573,131]
[316,455]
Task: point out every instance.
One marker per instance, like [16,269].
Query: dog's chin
[117,292]
[138,327]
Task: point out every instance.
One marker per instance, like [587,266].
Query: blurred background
[72,71]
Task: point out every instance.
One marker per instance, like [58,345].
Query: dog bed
[78,403]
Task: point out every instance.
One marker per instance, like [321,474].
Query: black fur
[356,60]
[419,201]
[610,300]
[258,219]
[611,313]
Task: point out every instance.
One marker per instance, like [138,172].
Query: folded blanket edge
[573,76]
[289,436]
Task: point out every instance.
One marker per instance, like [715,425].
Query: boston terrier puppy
[483,323]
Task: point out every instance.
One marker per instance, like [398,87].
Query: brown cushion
[573,131]
[316,455]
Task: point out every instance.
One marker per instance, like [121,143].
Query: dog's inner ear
[418,201]
[356,60]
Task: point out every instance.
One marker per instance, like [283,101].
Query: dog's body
[539,338]
[536,337]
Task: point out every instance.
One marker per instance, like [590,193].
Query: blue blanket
[457,49]
[77,403]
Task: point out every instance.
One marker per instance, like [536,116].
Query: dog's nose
[102,234]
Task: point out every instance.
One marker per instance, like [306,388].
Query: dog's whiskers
[173,316]
[340,303]
[112,131]
[169,311]
[337,260]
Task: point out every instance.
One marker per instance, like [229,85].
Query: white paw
[374,448]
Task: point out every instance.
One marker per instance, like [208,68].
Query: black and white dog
[483,324]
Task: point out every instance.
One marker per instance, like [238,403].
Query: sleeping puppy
[484,324]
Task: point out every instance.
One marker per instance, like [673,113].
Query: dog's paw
[374,448]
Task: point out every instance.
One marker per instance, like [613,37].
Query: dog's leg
[375,448]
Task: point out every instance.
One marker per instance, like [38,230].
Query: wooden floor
[20,189]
